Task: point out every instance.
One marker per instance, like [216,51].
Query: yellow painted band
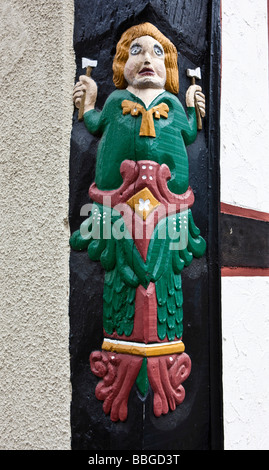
[141,349]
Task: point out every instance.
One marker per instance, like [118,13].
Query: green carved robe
[124,266]
[121,141]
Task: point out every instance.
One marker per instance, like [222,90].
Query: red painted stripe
[250,272]
[242,212]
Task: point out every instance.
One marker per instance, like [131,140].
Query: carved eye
[158,50]
[135,49]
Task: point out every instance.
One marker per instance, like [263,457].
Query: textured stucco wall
[244,182]
[37,74]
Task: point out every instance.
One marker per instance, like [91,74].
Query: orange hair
[122,54]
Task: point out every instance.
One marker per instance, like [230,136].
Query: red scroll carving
[119,372]
[166,374]
[137,175]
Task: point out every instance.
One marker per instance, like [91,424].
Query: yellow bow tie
[147,124]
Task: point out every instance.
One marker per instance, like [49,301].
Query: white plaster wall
[36,76]
[244,182]
[244,111]
[245,309]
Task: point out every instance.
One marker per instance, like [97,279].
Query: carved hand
[194,96]
[87,86]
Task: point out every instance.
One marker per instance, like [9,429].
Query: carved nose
[147,58]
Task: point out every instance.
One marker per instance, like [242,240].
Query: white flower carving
[144,205]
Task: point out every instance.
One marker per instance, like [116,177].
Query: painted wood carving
[141,227]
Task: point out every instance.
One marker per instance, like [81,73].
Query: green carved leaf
[119,304]
[171,304]
[108,256]
[127,327]
[107,317]
[193,230]
[126,272]
[126,269]
[110,277]
[162,313]
[186,256]
[178,263]
[171,322]
[161,290]
[177,281]
[162,330]
[95,249]
[171,284]
[179,315]
[130,309]
[107,293]
[131,296]
[171,333]
[77,242]
[178,298]
[179,330]
[197,246]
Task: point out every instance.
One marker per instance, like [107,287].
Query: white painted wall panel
[244,110]
[245,307]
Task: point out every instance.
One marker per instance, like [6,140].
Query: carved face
[145,67]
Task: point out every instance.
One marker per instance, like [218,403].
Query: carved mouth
[146,71]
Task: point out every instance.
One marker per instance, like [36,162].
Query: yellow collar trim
[142,349]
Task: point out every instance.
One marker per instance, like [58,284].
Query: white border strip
[144,345]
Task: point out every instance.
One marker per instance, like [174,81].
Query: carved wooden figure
[141,227]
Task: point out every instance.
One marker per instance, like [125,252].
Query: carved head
[123,50]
